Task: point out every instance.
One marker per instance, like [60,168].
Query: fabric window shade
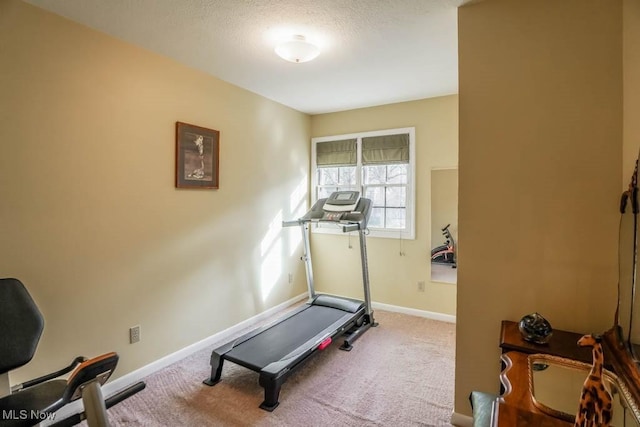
[385,149]
[336,153]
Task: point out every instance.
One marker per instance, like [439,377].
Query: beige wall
[394,278]
[91,222]
[631,95]
[444,204]
[90,219]
[540,172]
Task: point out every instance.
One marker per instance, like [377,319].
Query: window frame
[408,233]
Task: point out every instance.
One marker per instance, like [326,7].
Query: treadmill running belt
[281,339]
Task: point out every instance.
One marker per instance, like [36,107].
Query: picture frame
[197,156]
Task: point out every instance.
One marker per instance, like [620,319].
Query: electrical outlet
[290,278]
[421,286]
[134,334]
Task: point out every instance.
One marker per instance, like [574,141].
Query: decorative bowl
[535,328]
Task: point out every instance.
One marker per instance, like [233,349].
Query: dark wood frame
[516,404]
[197,163]
[623,352]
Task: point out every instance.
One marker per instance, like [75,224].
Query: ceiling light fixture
[297,49]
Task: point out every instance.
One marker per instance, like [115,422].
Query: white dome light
[297,49]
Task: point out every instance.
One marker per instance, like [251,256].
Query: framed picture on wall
[197,156]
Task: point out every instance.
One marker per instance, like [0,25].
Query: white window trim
[409,232]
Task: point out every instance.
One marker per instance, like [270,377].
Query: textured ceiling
[373,51]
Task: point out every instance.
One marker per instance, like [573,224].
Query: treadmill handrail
[350,221]
[347,226]
[351,227]
[317,214]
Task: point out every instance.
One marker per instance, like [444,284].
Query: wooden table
[562,343]
[515,407]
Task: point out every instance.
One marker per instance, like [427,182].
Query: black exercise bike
[445,254]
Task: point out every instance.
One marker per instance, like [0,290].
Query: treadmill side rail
[289,361]
[217,355]
[227,347]
[274,375]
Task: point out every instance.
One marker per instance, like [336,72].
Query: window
[380,165]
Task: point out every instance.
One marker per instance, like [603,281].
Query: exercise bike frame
[445,254]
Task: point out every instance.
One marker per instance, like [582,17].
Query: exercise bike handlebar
[446,233]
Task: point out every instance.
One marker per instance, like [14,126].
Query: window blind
[385,149]
[336,153]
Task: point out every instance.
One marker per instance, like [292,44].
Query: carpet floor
[398,374]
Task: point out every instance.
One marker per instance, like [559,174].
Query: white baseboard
[133,377]
[415,312]
[461,420]
[152,367]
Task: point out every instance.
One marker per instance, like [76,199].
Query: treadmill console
[346,208]
[342,201]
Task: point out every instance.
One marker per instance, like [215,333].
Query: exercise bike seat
[29,403]
[34,403]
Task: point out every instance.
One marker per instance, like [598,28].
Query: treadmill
[275,351]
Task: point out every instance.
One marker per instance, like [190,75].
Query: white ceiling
[374,52]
